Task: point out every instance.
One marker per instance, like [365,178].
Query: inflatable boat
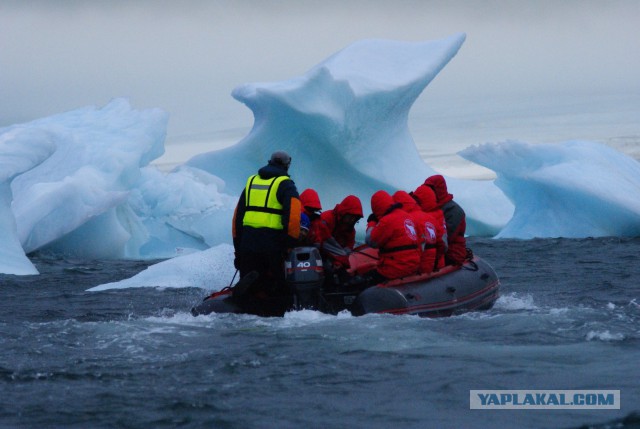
[313,285]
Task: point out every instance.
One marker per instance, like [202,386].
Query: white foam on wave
[514,301]
[304,318]
[558,311]
[291,319]
[605,335]
[368,331]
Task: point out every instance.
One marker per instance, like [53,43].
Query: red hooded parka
[454,217]
[396,235]
[426,226]
[311,206]
[310,200]
[332,226]
[426,199]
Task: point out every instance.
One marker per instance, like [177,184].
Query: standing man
[266,223]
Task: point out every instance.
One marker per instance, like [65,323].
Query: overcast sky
[186,56]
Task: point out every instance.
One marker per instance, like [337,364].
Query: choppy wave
[68,356]
[514,301]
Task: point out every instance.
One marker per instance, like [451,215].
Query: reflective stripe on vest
[263,210]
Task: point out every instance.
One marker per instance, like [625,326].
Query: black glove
[236,261]
[469,256]
[372,218]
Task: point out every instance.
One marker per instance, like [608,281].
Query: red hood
[426,198]
[350,205]
[381,202]
[408,203]
[309,198]
[439,186]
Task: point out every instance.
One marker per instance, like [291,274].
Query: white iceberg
[80,183]
[574,189]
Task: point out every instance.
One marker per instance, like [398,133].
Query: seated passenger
[455,218]
[305,239]
[337,230]
[310,202]
[312,207]
[426,229]
[391,230]
[426,199]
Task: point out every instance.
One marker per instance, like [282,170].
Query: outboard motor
[305,275]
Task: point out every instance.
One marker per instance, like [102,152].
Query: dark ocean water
[568,318]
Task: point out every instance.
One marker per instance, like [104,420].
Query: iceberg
[345,124]
[73,201]
[21,149]
[82,183]
[575,189]
[209,269]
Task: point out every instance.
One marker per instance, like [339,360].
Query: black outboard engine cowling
[305,276]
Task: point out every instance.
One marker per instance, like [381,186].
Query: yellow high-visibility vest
[263,210]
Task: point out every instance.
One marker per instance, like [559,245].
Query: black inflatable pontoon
[451,290]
